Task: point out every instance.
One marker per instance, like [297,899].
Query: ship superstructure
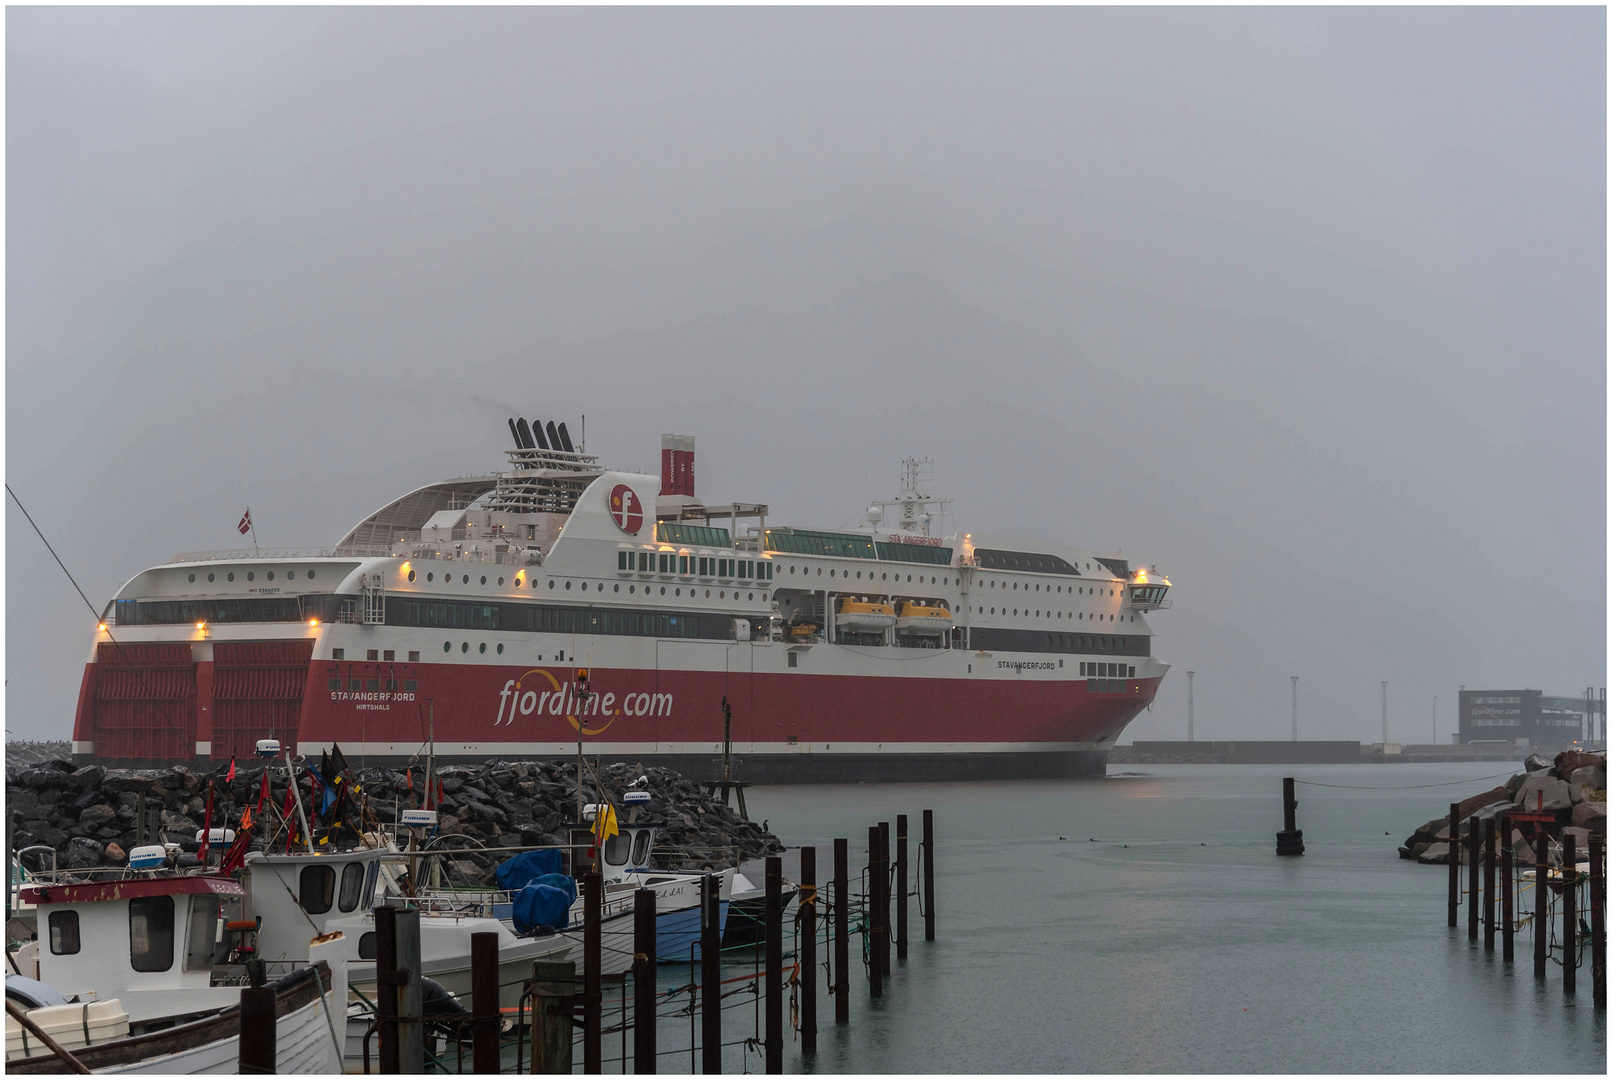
[553,601]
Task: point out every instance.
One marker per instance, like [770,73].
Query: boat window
[203,933]
[64,932]
[616,849]
[151,933]
[316,887]
[352,881]
[640,848]
[368,895]
[366,943]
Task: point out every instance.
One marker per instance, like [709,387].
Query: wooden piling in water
[774,1041]
[1488,884]
[1541,912]
[256,1051]
[553,990]
[484,1001]
[1290,841]
[592,972]
[901,886]
[842,931]
[710,975]
[1598,920]
[875,967]
[884,893]
[1569,913]
[808,950]
[929,875]
[1473,849]
[1508,904]
[643,982]
[1455,862]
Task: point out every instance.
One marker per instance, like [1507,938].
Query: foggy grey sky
[1307,307]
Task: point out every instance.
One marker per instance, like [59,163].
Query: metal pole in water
[929,875]
[884,896]
[643,982]
[1290,841]
[410,994]
[1472,894]
[875,967]
[1541,931]
[1569,912]
[257,1040]
[710,976]
[386,987]
[775,964]
[484,1001]
[592,955]
[1488,884]
[842,931]
[1598,920]
[901,886]
[808,950]
[1508,905]
[1455,861]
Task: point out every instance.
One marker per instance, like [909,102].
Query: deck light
[100,626]
[313,622]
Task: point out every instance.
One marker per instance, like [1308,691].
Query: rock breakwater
[89,816]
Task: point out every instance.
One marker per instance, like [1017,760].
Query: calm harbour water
[1164,935]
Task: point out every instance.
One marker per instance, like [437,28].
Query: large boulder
[1590,776]
[1434,854]
[1515,782]
[1590,815]
[82,853]
[1536,762]
[1558,794]
[95,817]
[1568,761]
[1471,805]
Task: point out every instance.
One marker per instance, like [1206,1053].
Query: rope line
[1404,787]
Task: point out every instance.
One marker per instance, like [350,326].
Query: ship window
[151,933]
[464,646]
[466,579]
[249,577]
[203,931]
[621,560]
[372,655]
[372,685]
[64,932]
[500,648]
[230,576]
[414,656]
[334,684]
[366,945]
[791,569]
[310,575]
[567,584]
[352,882]
[193,578]
[640,848]
[484,579]
[290,574]
[483,646]
[616,849]
[411,575]
[209,577]
[389,655]
[430,577]
[584,586]
[316,888]
[338,654]
[353,684]
[682,564]
[447,646]
[792,658]
[410,684]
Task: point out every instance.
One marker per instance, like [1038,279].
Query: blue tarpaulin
[543,905]
[515,874]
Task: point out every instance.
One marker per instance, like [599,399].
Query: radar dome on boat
[268,748]
[148,857]
[217,836]
[635,797]
[419,819]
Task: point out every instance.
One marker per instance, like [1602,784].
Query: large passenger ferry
[557,603]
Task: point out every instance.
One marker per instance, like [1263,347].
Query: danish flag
[246,522]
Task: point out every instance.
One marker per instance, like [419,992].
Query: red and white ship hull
[1048,659]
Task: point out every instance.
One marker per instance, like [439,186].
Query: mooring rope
[1403,787]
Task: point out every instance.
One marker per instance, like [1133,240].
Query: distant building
[1522,718]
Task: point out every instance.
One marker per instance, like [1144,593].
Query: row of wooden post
[401,1028]
[1493,848]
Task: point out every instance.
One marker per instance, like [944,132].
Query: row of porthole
[722,594]
[1095,592]
[447,579]
[250,575]
[1059,614]
[464,646]
[882,577]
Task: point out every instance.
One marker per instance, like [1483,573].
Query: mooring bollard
[842,931]
[775,964]
[1473,896]
[929,875]
[1541,911]
[1488,884]
[1455,862]
[592,973]
[710,975]
[1508,902]
[1290,841]
[257,1039]
[875,968]
[808,950]
[1569,913]
[643,982]
[1598,920]
[484,1001]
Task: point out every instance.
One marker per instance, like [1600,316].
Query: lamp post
[1189,704]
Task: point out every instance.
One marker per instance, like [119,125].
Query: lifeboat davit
[864,616]
[918,618]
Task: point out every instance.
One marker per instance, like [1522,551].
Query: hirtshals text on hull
[516,613]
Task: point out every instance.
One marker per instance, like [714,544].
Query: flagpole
[253,527]
[307,834]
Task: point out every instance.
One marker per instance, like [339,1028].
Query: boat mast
[291,778]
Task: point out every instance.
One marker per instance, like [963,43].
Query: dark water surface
[1178,941]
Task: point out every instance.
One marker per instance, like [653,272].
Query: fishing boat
[136,964]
